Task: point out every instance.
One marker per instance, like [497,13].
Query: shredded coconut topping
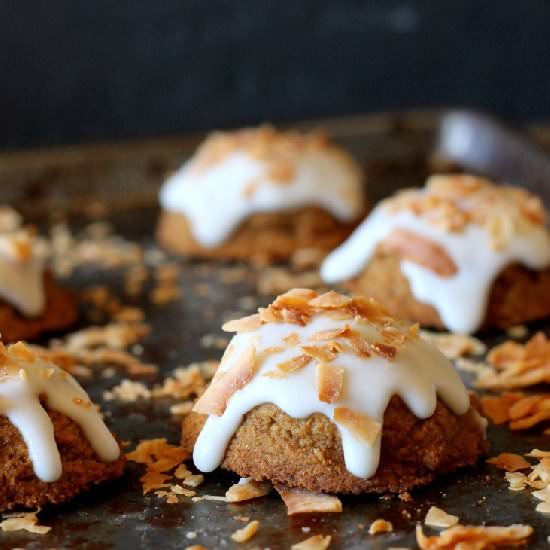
[452,201]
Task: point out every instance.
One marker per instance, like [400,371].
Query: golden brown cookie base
[308,453]
[20,488]
[518,295]
[60,312]
[265,237]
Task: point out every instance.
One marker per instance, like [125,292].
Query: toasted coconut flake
[455,345]
[158,455]
[21,351]
[478,537]
[182,472]
[392,336]
[525,406]
[113,336]
[292,339]
[265,353]
[27,521]
[537,453]
[295,364]
[129,315]
[171,498]
[165,293]
[240,492]
[193,480]
[153,480]
[330,380]
[209,497]
[302,295]
[181,409]
[497,408]
[543,508]
[518,331]
[307,258]
[186,382]
[516,481]
[99,346]
[329,334]
[383,350]
[316,542]
[245,324]
[420,250]
[530,421]
[247,532]
[509,462]
[296,316]
[379,526]
[178,490]
[516,365]
[330,300]
[276,374]
[128,390]
[542,494]
[300,501]
[436,517]
[358,343]
[214,399]
[360,425]
[453,201]
[325,353]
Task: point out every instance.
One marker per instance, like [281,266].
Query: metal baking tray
[396,150]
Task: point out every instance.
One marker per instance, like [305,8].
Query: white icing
[21,279]
[215,200]
[419,373]
[20,389]
[460,299]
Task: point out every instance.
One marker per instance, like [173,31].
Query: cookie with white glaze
[332,394]
[53,441]
[31,301]
[261,194]
[462,253]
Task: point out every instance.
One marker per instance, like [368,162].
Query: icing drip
[418,373]
[21,271]
[217,198]
[24,378]
[460,299]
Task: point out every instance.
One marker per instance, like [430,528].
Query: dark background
[90,70]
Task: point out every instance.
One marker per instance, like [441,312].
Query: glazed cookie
[461,253]
[53,442]
[332,394]
[261,194]
[31,301]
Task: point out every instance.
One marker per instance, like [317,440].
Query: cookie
[462,253]
[53,441]
[331,393]
[261,194]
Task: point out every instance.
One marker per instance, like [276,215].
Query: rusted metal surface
[396,151]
